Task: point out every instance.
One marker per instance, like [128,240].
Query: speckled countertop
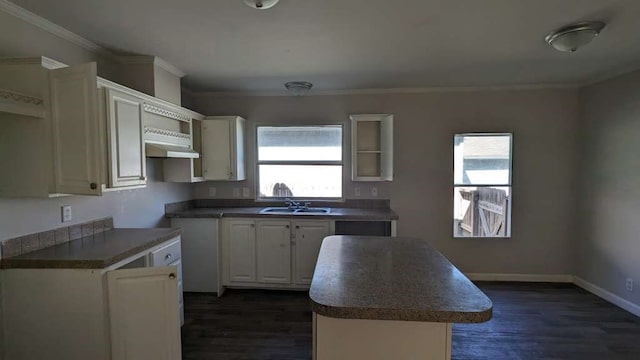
[336,213]
[384,278]
[93,252]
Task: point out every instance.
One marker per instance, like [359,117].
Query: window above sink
[300,162]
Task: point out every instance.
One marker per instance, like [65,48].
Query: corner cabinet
[278,254]
[223,148]
[88,140]
[129,310]
[372,147]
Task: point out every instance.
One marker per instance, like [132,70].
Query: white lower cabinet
[127,311]
[143,314]
[271,253]
[240,254]
[274,251]
[308,236]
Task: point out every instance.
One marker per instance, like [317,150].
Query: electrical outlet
[212,191]
[629,284]
[374,191]
[236,192]
[245,192]
[356,191]
[67,215]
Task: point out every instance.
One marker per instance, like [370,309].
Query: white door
[126,146]
[274,252]
[75,128]
[242,251]
[308,236]
[216,150]
[143,312]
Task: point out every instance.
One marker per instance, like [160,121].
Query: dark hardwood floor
[530,321]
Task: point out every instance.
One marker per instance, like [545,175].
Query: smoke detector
[261,4]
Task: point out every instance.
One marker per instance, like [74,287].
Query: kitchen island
[389,298]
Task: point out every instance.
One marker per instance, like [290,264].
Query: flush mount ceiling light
[298,88]
[261,4]
[572,37]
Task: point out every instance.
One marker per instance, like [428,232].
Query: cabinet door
[274,252]
[75,129]
[126,147]
[308,236]
[143,311]
[216,150]
[242,251]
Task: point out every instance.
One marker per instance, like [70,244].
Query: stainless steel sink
[287,210]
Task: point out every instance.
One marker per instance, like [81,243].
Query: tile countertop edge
[24,262]
[402,315]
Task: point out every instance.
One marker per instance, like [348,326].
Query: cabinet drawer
[166,255]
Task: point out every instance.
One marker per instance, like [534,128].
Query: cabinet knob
[167,257]
[172,276]
[297,226]
[253,225]
[287,226]
[93,186]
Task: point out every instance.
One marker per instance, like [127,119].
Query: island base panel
[335,339]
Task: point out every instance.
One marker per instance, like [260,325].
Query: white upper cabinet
[75,129]
[126,151]
[223,148]
[76,133]
[372,147]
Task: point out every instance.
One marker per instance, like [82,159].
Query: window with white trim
[303,162]
[482,185]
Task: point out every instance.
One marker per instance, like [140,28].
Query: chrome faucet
[291,204]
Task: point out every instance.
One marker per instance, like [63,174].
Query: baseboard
[607,295]
[555,278]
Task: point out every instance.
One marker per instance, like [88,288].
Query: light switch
[374,191]
[356,191]
[245,192]
[236,192]
[212,191]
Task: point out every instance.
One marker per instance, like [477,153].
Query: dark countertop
[336,213]
[384,278]
[93,252]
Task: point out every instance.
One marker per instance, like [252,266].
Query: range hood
[169,151]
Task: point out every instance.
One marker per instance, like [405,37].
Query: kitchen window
[482,185]
[303,162]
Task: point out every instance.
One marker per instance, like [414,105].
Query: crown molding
[43,61]
[153,60]
[383,91]
[46,25]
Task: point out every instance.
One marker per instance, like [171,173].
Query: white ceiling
[223,45]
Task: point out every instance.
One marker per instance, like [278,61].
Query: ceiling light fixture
[298,88]
[572,37]
[261,4]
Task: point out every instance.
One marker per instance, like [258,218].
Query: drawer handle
[168,257]
[172,276]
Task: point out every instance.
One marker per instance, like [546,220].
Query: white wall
[543,123]
[609,237]
[129,208]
